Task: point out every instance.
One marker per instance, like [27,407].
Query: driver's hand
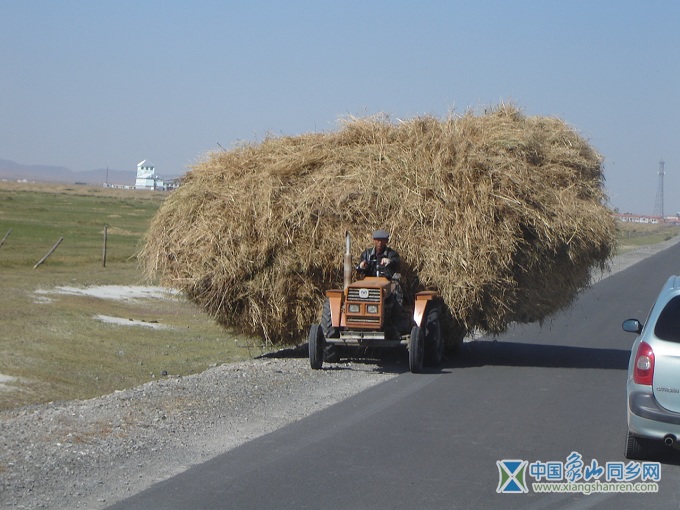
[384,261]
[363,264]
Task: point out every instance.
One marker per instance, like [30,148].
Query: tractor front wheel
[416,350]
[316,346]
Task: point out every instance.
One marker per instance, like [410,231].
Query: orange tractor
[369,313]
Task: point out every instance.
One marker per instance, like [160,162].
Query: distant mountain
[12,170]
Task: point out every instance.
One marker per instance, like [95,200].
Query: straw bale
[503,213]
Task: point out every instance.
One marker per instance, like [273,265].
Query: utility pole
[658,205]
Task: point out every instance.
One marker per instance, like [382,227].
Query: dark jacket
[373,261]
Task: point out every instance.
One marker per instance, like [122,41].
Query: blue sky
[89,84]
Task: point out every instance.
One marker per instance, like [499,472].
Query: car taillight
[644,364]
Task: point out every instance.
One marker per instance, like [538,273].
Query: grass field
[52,347]
[633,235]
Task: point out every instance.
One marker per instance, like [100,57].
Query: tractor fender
[422,299]
[335,299]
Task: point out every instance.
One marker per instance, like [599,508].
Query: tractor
[371,313]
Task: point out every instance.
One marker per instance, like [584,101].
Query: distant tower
[658,206]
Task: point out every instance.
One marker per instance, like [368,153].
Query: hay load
[504,214]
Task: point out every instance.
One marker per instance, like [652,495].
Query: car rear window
[668,325]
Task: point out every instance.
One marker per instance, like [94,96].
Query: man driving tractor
[380,258]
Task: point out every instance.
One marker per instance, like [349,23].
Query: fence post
[6,236]
[106,235]
[49,252]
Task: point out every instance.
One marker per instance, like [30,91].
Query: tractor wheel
[434,342]
[316,346]
[416,350]
[331,352]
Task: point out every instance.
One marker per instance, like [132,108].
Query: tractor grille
[366,321]
[373,295]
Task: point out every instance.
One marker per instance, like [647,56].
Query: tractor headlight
[372,308]
[354,308]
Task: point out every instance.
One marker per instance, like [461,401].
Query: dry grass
[52,344]
[504,214]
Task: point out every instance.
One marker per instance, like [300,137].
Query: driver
[380,257]
[382,260]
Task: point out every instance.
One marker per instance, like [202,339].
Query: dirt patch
[116,292]
[5,380]
[129,322]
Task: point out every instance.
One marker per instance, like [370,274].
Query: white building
[146,176]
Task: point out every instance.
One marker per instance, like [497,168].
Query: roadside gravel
[92,453]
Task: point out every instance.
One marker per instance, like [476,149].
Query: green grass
[634,235]
[51,342]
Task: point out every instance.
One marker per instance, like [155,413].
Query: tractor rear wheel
[434,342]
[327,322]
[316,346]
[416,350]
[331,352]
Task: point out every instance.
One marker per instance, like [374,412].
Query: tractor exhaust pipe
[348,262]
[669,440]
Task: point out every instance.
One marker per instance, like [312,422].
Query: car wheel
[637,448]
[434,343]
[416,350]
[316,346]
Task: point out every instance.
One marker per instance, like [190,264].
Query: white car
[653,388]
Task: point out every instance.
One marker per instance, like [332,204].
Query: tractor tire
[331,352]
[434,341]
[316,346]
[326,322]
[416,350]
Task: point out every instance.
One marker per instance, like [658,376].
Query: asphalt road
[433,440]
